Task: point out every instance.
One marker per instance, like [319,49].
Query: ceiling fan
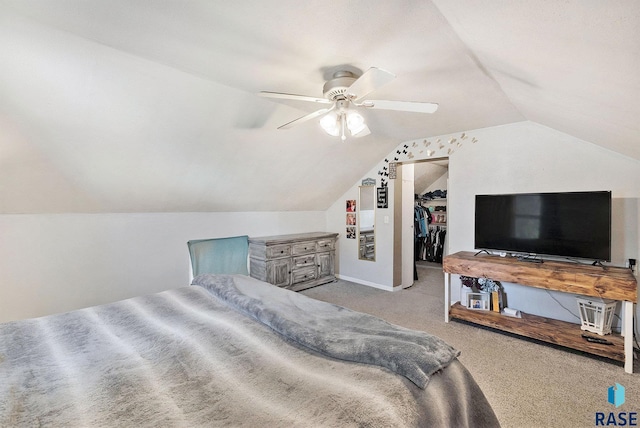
[345,92]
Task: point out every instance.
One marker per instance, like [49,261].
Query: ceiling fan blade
[372,79]
[416,107]
[284,96]
[305,118]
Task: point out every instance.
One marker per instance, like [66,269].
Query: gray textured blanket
[335,331]
[185,358]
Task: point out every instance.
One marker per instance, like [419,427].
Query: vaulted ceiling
[151,106]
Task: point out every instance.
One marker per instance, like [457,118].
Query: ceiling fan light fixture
[330,124]
[339,124]
[355,123]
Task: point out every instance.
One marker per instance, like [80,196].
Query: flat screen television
[568,224]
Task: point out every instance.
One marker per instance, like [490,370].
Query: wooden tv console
[587,280]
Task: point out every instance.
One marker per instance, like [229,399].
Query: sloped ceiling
[150,106]
[427,173]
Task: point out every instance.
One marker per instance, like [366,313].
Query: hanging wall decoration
[368,181]
[383,197]
[351,219]
[392,170]
[351,232]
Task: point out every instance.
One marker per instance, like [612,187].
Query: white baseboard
[369,283]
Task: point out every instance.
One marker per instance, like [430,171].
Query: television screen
[570,224]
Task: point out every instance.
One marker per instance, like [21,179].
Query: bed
[233,351]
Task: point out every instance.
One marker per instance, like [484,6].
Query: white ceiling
[150,106]
[427,173]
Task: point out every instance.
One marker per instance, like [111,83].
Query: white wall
[440,184]
[378,273]
[527,157]
[60,262]
[520,157]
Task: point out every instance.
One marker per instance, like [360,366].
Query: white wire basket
[597,315]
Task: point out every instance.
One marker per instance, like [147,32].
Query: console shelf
[595,281]
[548,330]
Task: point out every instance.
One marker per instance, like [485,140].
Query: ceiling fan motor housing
[336,87]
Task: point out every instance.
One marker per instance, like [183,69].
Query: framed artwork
[351,205]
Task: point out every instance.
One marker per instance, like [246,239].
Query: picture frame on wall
[351,219]
[351,232]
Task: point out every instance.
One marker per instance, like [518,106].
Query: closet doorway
[425,198]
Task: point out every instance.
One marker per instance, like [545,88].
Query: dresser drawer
[304,248]
[325,244]
[303,274]
[304,261]
[278,251]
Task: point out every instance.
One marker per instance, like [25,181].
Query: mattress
[212,355]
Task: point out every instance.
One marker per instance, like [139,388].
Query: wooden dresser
[296,261]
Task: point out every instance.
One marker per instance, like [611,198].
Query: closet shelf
[432,200]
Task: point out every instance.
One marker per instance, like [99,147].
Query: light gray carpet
[528,384]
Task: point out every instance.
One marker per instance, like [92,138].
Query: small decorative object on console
[478,301]
[488,286]
[469,281]
[596,315]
